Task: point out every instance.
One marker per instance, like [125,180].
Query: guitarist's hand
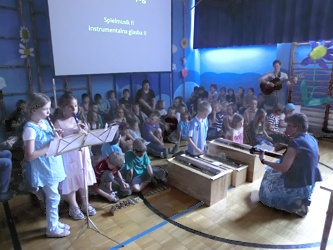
[270,84]
[294,80]
[261,155]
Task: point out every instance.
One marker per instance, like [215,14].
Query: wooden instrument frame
[235,152]
[204,187]
[238,174]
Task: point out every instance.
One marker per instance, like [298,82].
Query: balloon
[184,72]
[2,83]
[318,52]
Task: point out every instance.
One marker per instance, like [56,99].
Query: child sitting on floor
[183,126]
[153,134]
[112,146]
[170,123]
[139,173]
[109,178]
[126,140]
[236,132]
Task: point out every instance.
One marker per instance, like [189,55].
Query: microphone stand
[90,224]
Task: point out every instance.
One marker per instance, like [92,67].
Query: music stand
[72,142]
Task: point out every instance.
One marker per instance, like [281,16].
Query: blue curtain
[220,23]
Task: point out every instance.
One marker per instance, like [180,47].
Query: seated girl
[236,132]
[256,131]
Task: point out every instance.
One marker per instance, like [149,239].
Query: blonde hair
[37,100]
[204,106]
[116,159]
[155,114]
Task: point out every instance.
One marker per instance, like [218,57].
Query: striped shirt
[198,132]
[274,121]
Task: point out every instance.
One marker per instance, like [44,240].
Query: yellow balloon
[318,52]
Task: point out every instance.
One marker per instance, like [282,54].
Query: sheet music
[100,136]
[72,142]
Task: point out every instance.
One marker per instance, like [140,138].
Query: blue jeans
[5,170]
[155,149]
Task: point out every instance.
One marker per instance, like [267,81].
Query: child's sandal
[91,210]
[75,213]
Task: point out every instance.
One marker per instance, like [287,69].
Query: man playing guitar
[266,81]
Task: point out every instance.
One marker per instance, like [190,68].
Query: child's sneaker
[59,233]
[174,149]
[164,154]
[63,226]
[113,197]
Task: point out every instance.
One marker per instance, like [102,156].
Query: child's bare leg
[139,187]
[71,199]
[74,210]
[86,207]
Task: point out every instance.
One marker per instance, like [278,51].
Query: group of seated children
[140,134]
[124,166]
[119,176]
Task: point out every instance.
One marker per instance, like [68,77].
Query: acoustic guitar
[257,150]
[267,90]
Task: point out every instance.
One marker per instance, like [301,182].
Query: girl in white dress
[76,162]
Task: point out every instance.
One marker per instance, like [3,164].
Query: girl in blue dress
[42,171]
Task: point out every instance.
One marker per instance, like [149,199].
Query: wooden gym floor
[166,218]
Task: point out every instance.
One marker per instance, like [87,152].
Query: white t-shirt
[282,117]
[30,133]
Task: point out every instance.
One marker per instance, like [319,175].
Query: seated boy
[109,178]
[153,134]
[170,123]
[137,164]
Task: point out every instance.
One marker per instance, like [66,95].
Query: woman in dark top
[288,184]
[146,98]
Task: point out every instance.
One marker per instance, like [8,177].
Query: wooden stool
[10,221]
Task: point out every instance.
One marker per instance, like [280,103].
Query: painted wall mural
[321,52]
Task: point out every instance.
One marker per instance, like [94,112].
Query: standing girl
[76,162]
[42,171]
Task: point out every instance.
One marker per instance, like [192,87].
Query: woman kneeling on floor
[288,184]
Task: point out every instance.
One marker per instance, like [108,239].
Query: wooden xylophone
[239,170]
[241,153]
[198,178]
